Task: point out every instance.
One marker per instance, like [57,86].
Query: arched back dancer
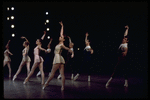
[38,60]
[123,49]
[25,58]
[87,57]
[69,58]
[7,59]
[58,61]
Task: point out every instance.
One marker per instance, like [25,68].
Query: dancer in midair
[47,56]
[87,57]
[58,61]
[7,59]
[38,60]
[25,58]
[123,49]
[69,59]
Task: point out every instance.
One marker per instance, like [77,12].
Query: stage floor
[80,88]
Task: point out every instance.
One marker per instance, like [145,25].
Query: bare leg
[61,70]
[42,72]
[4,63]
[19,69]
[54,69]
[28,67]
[8,64]
[31,72]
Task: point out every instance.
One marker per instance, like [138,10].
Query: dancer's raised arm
[62,29]
[43,35]
[49,43]
[126,32]
[25,38]
[10,52]
[42,49]
[69,40]
[86,35]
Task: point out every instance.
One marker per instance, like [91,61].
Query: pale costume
[58,58]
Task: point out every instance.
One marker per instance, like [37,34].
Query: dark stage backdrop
[104,21]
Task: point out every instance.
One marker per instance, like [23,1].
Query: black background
[104,21]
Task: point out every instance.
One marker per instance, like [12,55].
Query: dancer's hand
[87,34]
[51,39]
[23,37]
[92,51]
[46,51]
[61,23]
[72,55]
[68,37]
[127,26]
[44,32]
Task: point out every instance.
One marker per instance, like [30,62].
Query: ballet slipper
[25,81]
[62,88]
[14,77]
[45,85]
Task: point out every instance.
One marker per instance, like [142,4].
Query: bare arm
[49,43]
[66,48]
[43,35]
[25,38]
[69,39]
[126,32]
[8,43]
[91,51]
[62,29]
[86,35]
[42,48]
[10,52]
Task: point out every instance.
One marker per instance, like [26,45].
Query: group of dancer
[58,61]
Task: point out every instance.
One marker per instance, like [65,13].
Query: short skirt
[7,59]
[38,58]
[26,58]
[58,59]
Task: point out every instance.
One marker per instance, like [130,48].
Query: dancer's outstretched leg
[42,72]
[19,69]
[54,69]
[31,72]
[61,70]
[28,67]
[8,64]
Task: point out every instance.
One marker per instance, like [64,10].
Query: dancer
[25,59]
[38,60]
[87,59]
[7,59]
[68,57]
[58,62]
[123,49]
[47,56]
